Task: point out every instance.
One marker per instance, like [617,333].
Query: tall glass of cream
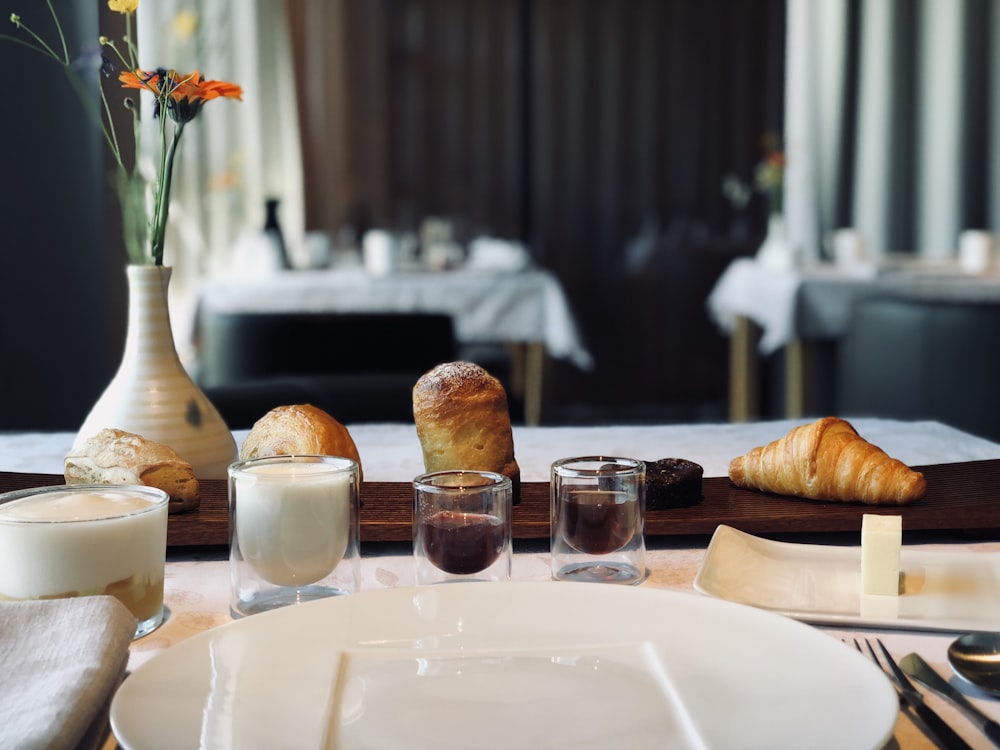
[293,531]
[86,540]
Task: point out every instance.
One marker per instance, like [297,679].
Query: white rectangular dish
[941,590]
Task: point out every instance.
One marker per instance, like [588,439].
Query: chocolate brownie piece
[672,483]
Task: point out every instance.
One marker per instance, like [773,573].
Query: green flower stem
[162,207]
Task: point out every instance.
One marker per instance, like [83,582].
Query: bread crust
[299,429]
[115,456]
[828,460]
[463,422]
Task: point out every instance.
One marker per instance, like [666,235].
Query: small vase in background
[777,251]
[152,394]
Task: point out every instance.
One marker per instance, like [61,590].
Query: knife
[915,666]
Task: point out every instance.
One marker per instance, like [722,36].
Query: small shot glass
[294,531]
[461,527]
[598,519]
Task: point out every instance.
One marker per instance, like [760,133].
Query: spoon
[975,657]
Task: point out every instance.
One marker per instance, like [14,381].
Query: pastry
[463,422]
[672,483]
[300,429]
[117,457]
[828,460]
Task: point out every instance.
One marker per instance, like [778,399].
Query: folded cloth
[60,662]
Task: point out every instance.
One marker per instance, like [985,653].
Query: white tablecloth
[487,305]
[815,302]
[391,452]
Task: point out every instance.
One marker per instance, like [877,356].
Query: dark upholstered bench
[359,367]
[920,359]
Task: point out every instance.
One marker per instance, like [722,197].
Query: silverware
[915,666]
[934,725]
[975,657]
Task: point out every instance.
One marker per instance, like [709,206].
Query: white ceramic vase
[777,251]
[152,394]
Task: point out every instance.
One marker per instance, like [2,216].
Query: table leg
[744,371]
[527,378]
[795,379]
[534,371]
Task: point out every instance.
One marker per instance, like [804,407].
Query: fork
[935,726]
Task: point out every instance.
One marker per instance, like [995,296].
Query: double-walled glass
[598,519]
[294,531]
[461,526]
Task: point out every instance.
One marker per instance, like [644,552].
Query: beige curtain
[236,154]
[891,122]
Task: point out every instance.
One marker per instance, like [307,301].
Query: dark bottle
[272,229]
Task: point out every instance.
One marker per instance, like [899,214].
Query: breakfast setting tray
[960,496]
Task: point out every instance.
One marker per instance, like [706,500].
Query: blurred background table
[766,310]
[525,310]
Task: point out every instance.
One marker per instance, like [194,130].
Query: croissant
[828,460]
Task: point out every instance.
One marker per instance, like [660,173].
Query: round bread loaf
[115,456]
[463,422]
[300,429]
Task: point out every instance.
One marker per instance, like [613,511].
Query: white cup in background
[379,252]
[975,250]
[847,247]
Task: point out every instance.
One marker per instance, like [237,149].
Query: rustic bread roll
[300,429]
[462,421]
[118,457]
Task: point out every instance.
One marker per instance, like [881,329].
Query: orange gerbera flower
[182,95]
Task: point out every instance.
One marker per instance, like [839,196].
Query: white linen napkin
[60,663]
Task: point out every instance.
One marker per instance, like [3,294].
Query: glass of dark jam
[461,526]
[598,516]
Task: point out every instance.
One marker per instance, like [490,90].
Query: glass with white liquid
[86,540]
[294,531]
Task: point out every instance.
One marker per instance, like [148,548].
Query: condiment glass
[461,526]
[598,519]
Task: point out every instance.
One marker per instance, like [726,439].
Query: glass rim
[564,466]
[334,464]
[496,481]
[158,499]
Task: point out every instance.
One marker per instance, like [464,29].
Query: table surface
[814,302]
[487,305]
[197,581]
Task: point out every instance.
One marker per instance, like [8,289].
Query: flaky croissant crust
[828,460]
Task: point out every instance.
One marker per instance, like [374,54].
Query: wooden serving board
[960,496]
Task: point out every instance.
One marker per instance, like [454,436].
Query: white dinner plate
[516,666]
[941,590]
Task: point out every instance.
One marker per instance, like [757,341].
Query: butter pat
[881,540]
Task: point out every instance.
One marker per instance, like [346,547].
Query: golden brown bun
[118,457]
[462,421]
[301,429]
[828,460]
